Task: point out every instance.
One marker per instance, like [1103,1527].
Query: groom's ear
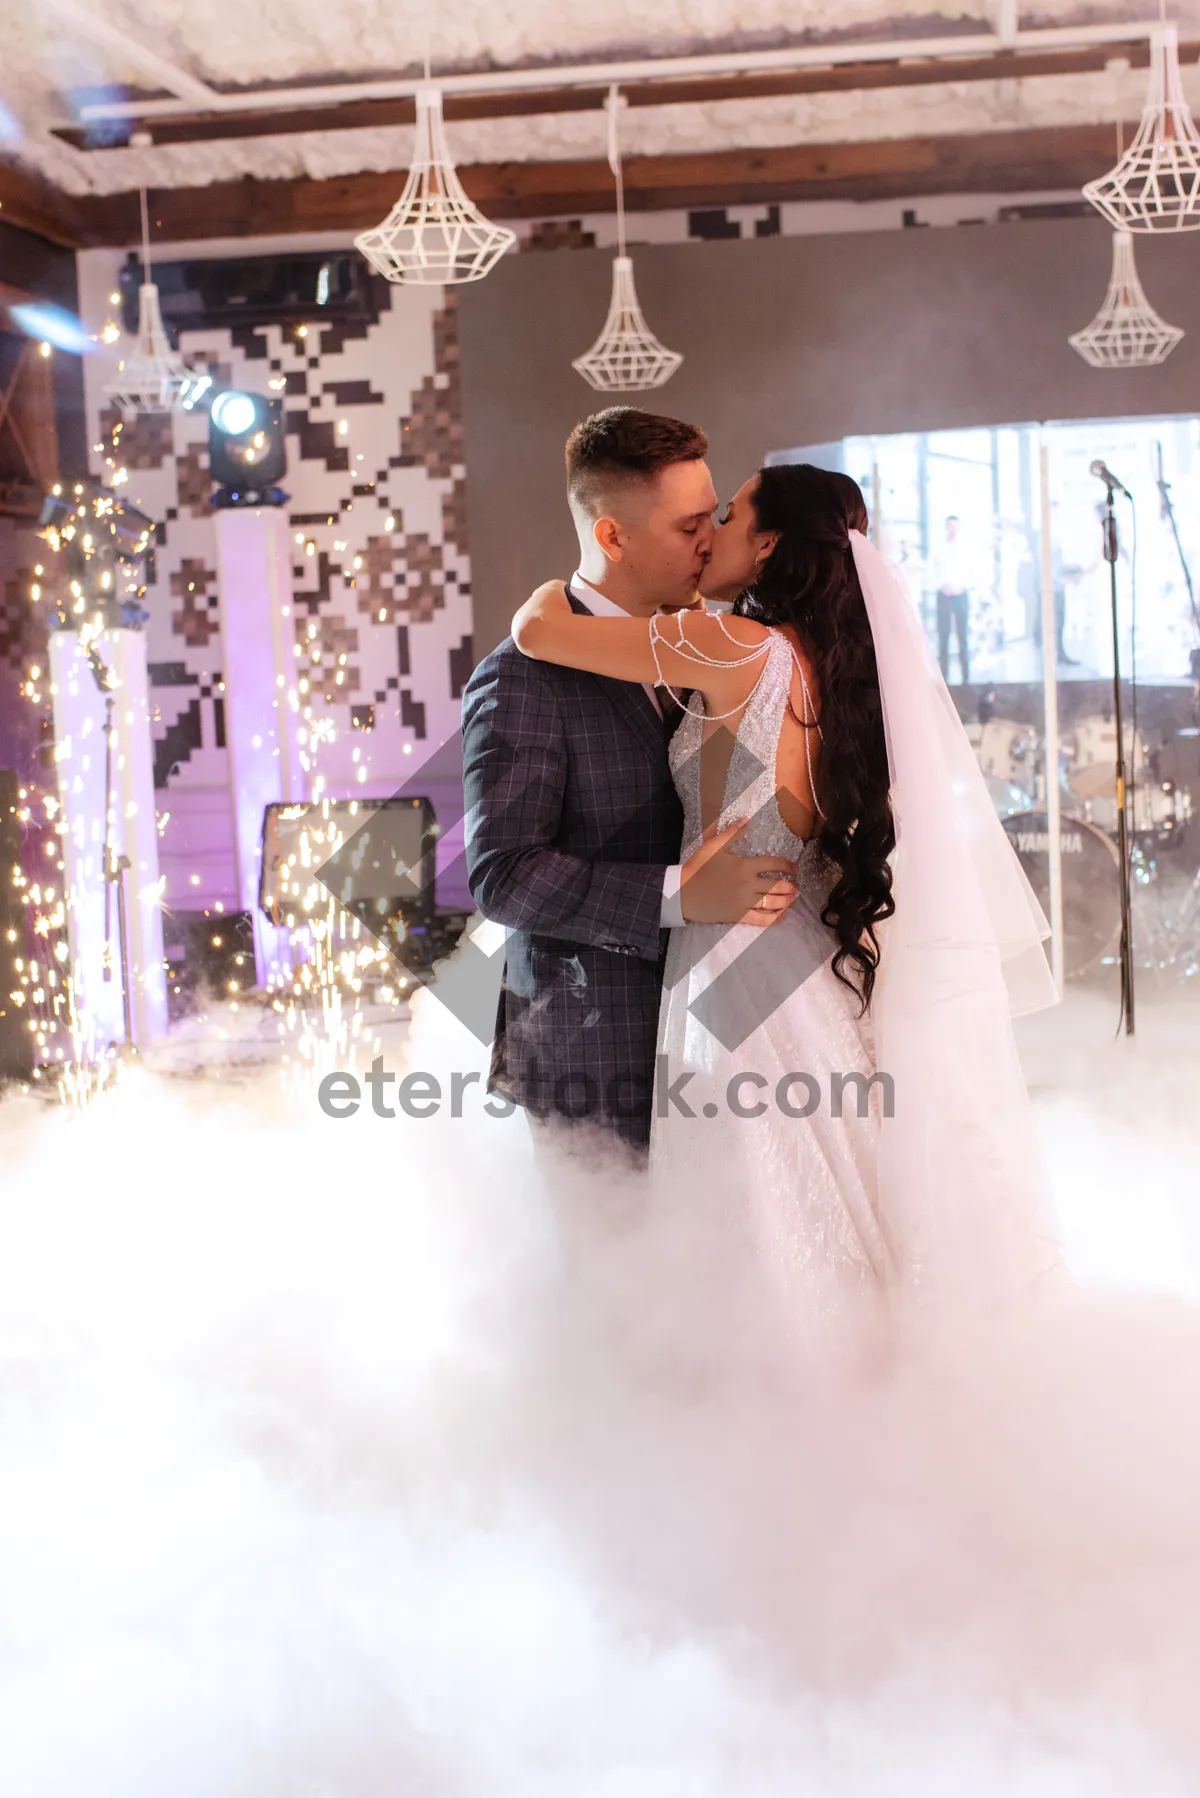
[610,537]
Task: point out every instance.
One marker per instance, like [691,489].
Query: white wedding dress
[765,1004]
[890,1156]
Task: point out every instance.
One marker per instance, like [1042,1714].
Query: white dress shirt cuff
[672,904]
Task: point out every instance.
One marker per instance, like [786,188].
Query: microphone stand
[1168,510]
[1126,952]
[1164,493]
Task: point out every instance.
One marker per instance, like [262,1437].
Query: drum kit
[1166,896]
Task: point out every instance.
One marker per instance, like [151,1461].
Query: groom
[573,822]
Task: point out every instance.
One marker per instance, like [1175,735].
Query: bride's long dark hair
[810,582]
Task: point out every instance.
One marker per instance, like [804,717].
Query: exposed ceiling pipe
[666,68]
[190,93]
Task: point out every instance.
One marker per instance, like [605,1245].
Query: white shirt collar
[596,602]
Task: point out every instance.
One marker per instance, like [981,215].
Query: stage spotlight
[234,413]
[246,450]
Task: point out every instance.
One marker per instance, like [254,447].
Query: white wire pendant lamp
[626,357]
[1126,332]
[1155,185]
[154,378]
[434,236]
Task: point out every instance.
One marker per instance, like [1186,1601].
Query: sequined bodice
[750,783]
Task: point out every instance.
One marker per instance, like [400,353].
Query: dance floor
[323,1476]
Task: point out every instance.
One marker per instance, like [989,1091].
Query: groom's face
[664,535]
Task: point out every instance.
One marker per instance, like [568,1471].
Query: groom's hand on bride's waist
[719,886]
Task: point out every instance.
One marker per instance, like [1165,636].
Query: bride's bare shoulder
[746,633]
[804,688]
[795,643]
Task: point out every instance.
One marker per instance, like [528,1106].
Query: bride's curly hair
[810,582]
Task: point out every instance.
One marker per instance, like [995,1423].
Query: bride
[846,1079]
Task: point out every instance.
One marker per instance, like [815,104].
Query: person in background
[952,575]
[1060,573]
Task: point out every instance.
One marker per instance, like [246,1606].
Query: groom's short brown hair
[622,445]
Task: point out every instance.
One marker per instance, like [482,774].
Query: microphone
[1110,480]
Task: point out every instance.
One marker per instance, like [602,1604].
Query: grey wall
[792,340]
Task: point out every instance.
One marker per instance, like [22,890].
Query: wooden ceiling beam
[915,71]
[983,162]
[34,205]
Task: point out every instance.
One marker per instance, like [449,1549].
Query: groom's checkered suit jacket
[572,818]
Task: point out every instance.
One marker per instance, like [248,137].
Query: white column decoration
[262,702]
[130,830]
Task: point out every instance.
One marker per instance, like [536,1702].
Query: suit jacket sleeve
[514,777]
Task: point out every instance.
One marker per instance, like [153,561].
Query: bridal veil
[960,1192]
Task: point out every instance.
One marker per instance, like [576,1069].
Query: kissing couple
[765,929]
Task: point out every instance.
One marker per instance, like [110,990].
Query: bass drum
[1091,883]
[1090,751]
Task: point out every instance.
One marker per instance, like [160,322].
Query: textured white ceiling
[48,60]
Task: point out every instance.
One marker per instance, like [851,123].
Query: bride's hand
[549,601]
